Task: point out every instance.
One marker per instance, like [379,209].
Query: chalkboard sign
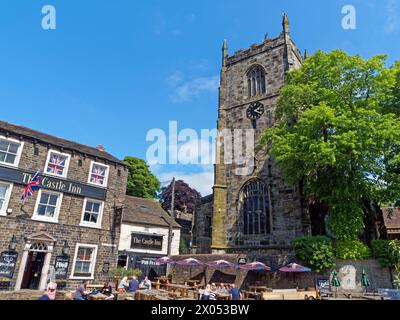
[322,284]
[61,267]
[8,260]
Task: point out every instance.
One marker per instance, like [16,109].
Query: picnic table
[257,288]
[160,281]
[145,295]
[183,289]
[94,286]
[97,296]
[192,283]
[223,296]
[289,294]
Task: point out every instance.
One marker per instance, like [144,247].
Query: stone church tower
[255,211]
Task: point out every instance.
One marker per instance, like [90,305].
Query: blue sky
[113,70]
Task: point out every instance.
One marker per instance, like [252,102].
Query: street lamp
[65,249]
[13,243]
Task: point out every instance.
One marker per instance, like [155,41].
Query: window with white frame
[5,191]
[57,163]
[10,151]
[84,261]
[92,213]
[47,206]
[98,174]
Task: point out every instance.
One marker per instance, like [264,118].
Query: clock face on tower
[255,111]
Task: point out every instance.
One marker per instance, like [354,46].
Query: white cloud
[174,79]
[193,88]
[201,181]
[392,20]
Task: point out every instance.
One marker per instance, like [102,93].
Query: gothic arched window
[256,81]
[255,208]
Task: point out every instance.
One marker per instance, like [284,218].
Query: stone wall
[202,226]
[379,277]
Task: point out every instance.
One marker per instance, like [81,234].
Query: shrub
[381,252]
[351,250]
[316,252]
[134,272]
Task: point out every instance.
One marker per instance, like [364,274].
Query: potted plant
[169,276]
[118,273]
[134,272]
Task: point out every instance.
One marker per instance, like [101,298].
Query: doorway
[33,270]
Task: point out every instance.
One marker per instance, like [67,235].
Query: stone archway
[38,243]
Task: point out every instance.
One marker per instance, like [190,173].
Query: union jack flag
[98,174]
[56,164]
[32,186]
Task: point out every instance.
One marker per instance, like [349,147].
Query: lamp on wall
[13,243]
[65,249]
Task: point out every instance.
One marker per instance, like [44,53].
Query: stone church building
[256,211]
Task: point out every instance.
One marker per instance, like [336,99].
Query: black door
[33,270]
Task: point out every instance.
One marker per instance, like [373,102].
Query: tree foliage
[141,182]
[338,135]
[317,252]
[351,250]
[185,197]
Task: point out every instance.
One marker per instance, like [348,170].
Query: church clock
[255,111]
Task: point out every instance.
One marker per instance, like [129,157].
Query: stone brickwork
[202,229]
[18,220]
[287,218]
[379,277]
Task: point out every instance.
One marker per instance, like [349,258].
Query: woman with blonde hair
[123,285]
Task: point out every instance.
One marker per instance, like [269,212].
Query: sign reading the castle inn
[146,241]
[51,183]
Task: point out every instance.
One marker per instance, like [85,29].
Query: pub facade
[68,229]
[148,232]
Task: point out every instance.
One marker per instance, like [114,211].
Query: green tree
[337,135]
[141,182]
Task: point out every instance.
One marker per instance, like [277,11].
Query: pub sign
[146,241]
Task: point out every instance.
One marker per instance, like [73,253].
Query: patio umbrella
[166,260]
[217,264]
[364,280]
[258,266]
[190,262]
[294,268]
[220,264]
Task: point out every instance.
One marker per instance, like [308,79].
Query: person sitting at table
[123,285]
[107,290]
[221,289]
[146,283]
[213,292]
[50,293]
[81,293]
[234,293]
[205,294]
[133,284]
